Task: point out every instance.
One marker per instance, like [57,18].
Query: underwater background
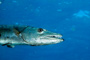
[71,18]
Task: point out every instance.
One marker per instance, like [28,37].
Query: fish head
[41,36]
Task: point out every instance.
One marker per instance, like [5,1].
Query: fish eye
[40,30]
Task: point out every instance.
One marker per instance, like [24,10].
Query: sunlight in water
[81,14]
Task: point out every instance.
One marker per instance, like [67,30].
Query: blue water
[71,18]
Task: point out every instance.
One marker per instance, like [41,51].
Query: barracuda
[11,35]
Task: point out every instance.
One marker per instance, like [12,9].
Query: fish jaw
[46,38]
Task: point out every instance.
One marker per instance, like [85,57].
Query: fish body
[12,35]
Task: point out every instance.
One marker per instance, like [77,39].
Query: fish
[12,35]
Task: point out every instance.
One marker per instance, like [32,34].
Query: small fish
[11,35]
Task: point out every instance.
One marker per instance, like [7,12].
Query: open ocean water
[71,18]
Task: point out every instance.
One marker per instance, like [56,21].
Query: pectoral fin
[9,45]
[5,44]
[16,32]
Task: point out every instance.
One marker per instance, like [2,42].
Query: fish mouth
[55,37]
[51,38]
